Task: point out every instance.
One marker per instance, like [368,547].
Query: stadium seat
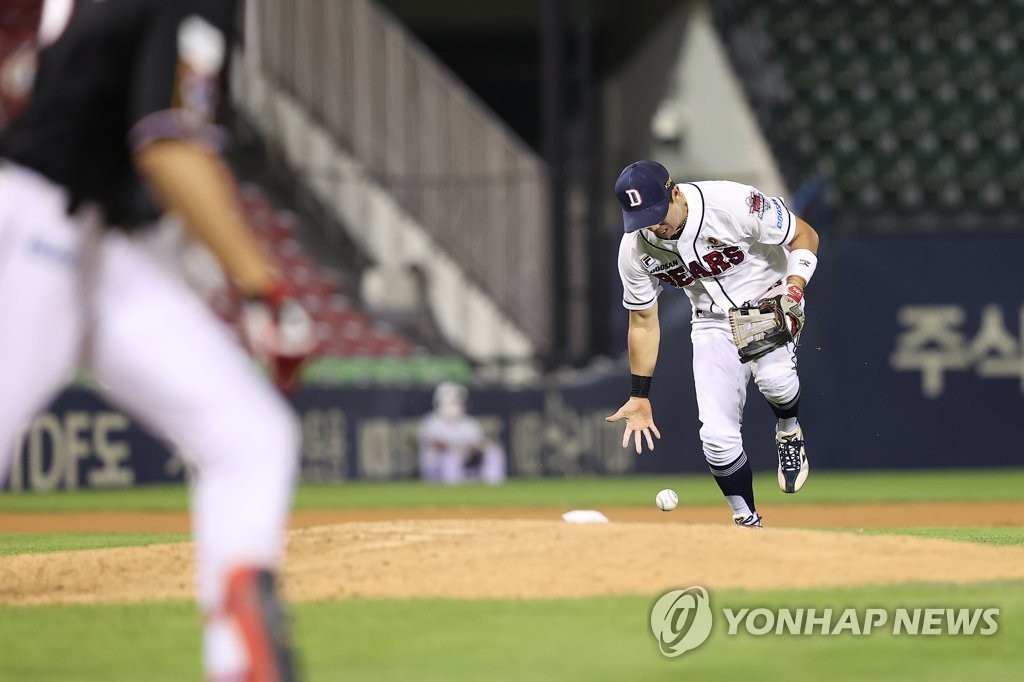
[342,329]
[904,107]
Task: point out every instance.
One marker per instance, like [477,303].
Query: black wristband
[641,386]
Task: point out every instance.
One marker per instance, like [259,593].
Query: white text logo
[932,621]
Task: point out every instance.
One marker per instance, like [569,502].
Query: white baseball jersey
[730,250]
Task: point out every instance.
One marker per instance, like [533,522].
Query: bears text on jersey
[677,274]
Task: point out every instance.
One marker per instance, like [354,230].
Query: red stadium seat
[343,330]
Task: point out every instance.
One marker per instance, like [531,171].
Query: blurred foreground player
[122,109]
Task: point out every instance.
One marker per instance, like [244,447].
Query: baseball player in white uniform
[121,118]
[453,447]
[724,244]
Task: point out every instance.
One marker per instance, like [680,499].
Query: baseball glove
[761,327]
[279,332]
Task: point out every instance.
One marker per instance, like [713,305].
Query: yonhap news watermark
[682,620]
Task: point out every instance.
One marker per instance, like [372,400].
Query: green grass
[152,642]
[553,640]
[563,640]
[22,543]
[825,487]
[987,535]
[142,498]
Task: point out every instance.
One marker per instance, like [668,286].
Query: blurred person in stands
[120,120]
[453,448]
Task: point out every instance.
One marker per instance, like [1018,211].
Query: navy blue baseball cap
[644,189]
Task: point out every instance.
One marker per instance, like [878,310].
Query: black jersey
[113,76]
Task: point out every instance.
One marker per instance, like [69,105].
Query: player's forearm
[194,184]
[643,344]
[805,238]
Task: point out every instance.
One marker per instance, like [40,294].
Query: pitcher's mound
[520,559]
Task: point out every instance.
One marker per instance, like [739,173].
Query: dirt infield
[902,515]
[524,558]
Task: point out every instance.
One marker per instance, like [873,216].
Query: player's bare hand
[639,423]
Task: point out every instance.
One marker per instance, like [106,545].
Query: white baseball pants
[72,293]
[721,382]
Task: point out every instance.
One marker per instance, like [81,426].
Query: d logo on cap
[644,190]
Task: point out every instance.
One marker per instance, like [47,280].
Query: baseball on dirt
[666,499]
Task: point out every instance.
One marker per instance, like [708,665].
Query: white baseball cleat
[793,467]
[752,521]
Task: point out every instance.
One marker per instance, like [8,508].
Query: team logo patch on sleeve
[758,203]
